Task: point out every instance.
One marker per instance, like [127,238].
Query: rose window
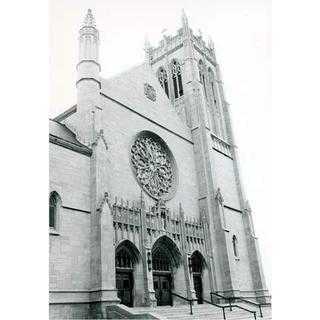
[153,166]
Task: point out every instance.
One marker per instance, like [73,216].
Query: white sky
[241,32]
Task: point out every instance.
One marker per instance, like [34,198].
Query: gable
[128,88]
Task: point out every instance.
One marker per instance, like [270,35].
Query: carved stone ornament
[153,167]
[150,92]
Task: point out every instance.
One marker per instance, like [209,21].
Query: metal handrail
[233,305]
[255,304]
[247,301]
[214,304]
[187,299]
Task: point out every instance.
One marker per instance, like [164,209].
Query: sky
[241,32]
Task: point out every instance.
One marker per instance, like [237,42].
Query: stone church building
[146,203]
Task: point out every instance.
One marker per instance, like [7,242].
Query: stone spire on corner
[184,19]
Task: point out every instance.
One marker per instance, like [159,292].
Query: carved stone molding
[150,92]
[100,135]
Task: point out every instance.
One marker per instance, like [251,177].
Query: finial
[89,20]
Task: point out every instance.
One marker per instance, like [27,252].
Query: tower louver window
[177,79]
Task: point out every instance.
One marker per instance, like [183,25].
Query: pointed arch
[127,254]
[163,79]
[176,78]
[165,254]
[54,208]
[198,262]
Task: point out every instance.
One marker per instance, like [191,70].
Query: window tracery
[177,79]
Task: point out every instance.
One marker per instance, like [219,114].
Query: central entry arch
[166,257]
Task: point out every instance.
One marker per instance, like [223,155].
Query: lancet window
[202,76]
[177,79]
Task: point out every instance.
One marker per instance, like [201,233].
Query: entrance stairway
[202,311]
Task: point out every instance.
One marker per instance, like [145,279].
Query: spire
[184,19]
[89,20]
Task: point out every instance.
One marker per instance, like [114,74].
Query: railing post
[261,315]
[254,314]
[190,301]
[224,313]
[230,304]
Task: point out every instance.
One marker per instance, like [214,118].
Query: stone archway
[198,266]
[166,269]
[129,274]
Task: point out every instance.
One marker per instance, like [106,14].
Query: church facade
[146,201]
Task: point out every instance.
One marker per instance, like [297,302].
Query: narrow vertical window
[163,79]
[202,76]
[53,202]
[177,79]
[211,80]
[235,246]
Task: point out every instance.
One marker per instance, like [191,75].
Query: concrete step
[204,311]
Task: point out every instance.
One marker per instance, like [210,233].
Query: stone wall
[69,247]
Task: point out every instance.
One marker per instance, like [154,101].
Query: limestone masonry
[146,200]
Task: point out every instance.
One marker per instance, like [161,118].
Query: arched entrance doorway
[126,259]
[165,258]
[197,265]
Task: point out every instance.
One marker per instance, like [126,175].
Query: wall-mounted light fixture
[149,261]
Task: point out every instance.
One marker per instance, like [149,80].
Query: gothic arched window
[53,210]
[177,79]
[163,79]
[235,246]
[202,76]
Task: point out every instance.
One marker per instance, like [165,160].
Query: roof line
[65,114]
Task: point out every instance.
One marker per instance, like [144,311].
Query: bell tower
[202,106]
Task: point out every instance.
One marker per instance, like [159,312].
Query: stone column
[149,293]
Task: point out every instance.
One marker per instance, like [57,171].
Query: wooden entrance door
[162,288]
[197,281]
[124,284]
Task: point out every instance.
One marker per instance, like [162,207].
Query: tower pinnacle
[89,20]
[147,48]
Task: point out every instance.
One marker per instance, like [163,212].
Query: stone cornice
[69,145]
[89,78]
[89,60]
